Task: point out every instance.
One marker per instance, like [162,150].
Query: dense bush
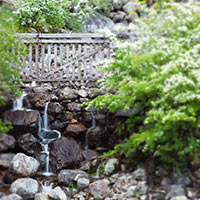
[11,50]
[159,76]
[51,15]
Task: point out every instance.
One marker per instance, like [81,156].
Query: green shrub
[52,15]
[11,49]
[159,75]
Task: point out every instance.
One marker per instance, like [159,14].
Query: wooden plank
[61,60]
[85,62]
[61,35]
[49,58]
[73,56]
[36,60]
[42,59]
[79,63]
[67,59]
[91,62]
[65,41]
[30,58]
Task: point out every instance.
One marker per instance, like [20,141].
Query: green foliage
[11,50]
[52,15]
[159,75]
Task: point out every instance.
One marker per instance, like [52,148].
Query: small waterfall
[45,117]
[92,127]
[18,102]
[46,188]
[97,175]
[46,135]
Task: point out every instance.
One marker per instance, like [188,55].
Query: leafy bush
[159,76]
[11,49]
[51,15]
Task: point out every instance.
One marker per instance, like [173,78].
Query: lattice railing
[64,57]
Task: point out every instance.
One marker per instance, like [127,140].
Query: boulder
[6,159]
[174,191]
[23,121]
[67,116]
[24,165]
[25,187]
[57,194]
[74,107]
[67,93]
[28,143]
[75,129]
[117,4]
[140,174]
[68,175]
[82,93]
[180,198]
[11,197]
[65,153]
[82,183]
[7,142]
[99,189]
[41,196]
[111,166]
[96,137]
[55,107]
[130,7]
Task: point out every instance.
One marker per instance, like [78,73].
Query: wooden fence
[64,57]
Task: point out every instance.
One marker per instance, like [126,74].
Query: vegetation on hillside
[159,76]
[53,15]
[11,50]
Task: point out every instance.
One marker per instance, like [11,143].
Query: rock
[67,116]
[41,196]
[117,4]
[57,194]
[119,17]
[23,121]
[67,175]
[75,129]
[93,92]
[83,183]
[82,93]
[24,165]
[140,189]
[25,187]
[96,137]
[166,181]
[197,173]
[11,197]
[140,174]
[130,7]
[161,172]
[111,166]
[174,191]
[55,107]
[5,160]
[180,198]
[73,107]
[41,90]
[7,142]
[183,180]
[97,21]
[65,153]
[89,154]
[28,143]
[99,189]
[67,93]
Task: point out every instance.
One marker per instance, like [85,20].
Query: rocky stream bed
[77,170]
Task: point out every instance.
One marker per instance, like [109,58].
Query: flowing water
[18,102]
[88,131]
[46,135]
